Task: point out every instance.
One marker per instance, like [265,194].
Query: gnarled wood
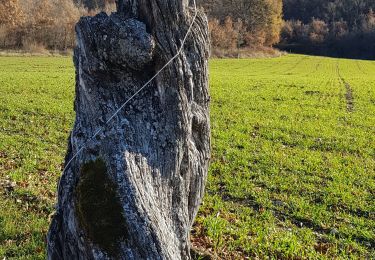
[134,192]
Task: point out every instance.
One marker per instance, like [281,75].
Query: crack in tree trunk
[145,173]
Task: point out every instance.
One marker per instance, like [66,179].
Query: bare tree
[133,191]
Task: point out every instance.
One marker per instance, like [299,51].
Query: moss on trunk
[98,207]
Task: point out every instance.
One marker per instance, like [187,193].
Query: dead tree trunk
[135,189]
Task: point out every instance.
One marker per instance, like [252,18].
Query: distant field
[293,165]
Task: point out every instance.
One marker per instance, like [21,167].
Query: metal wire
[101,129]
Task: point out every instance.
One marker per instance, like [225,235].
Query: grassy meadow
[292,173]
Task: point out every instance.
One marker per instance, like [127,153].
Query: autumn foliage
[242,24]
[38,24]
[49,24]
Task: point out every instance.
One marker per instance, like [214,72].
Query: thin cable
[137,92]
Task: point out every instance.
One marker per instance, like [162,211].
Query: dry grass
[250,52]
[35,51]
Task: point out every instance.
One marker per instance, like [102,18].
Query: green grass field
[293,165]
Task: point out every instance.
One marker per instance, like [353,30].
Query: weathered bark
[134,192]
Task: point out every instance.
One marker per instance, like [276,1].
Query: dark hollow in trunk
[135,190]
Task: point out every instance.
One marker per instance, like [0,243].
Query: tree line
[329,27]
[326,27]
[243,24]
[30,24]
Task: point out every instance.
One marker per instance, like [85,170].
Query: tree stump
[135,189]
